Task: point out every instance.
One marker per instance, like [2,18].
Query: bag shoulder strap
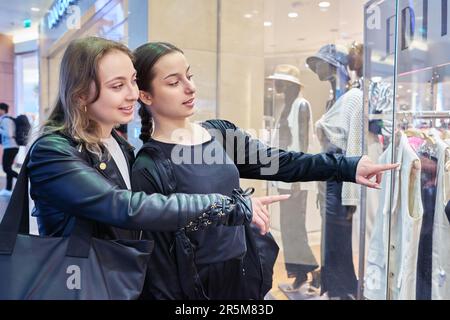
[16,218]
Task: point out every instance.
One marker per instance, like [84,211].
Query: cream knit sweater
[342,125]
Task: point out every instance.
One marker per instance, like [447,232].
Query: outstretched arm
[256,160]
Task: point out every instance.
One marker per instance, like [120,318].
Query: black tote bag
[78,267]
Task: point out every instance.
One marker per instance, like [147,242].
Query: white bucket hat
[286,72]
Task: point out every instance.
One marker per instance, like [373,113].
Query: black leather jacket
[170,272]
[67,181]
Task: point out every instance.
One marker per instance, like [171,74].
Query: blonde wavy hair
[79,71]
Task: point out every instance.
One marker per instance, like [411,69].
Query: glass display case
[313,103]
[407,115]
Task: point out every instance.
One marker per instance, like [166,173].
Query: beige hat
[286,72]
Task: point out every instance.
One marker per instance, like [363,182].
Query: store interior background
[232,46]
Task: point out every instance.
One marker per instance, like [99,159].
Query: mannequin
[295,133]
[326,63]
[337,131]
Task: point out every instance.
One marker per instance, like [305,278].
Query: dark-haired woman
[181,156]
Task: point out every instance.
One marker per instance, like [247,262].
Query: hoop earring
[85,109]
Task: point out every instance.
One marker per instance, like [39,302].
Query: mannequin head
[287,87]
[330,64]
[286,80]
[325,71]
[328,61]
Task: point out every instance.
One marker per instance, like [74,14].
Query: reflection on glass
[407,258]
[325,46]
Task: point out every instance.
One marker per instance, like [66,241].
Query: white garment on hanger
[374,151]
[406,220]
[440,281]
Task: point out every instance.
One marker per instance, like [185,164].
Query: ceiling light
[267,23]
[248,15]
[292,14]
[324,4]
[35,9]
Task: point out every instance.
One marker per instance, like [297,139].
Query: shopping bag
[259,262]
[77,267]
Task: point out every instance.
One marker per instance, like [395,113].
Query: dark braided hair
[146,123]
[146,57]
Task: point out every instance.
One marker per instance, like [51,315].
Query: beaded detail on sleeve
[232,211]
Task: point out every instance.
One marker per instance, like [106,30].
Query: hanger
[404,124]
[398,136]
[429,147]
[445,133]
[418,133]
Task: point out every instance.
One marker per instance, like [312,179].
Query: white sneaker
[5,193]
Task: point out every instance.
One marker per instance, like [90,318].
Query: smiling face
[172,93]
[118,91]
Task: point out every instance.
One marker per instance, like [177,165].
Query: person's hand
[261,214]
[367,169]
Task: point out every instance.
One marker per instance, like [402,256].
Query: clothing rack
[406,117]
[380,116]
[424,114]
[412,115]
